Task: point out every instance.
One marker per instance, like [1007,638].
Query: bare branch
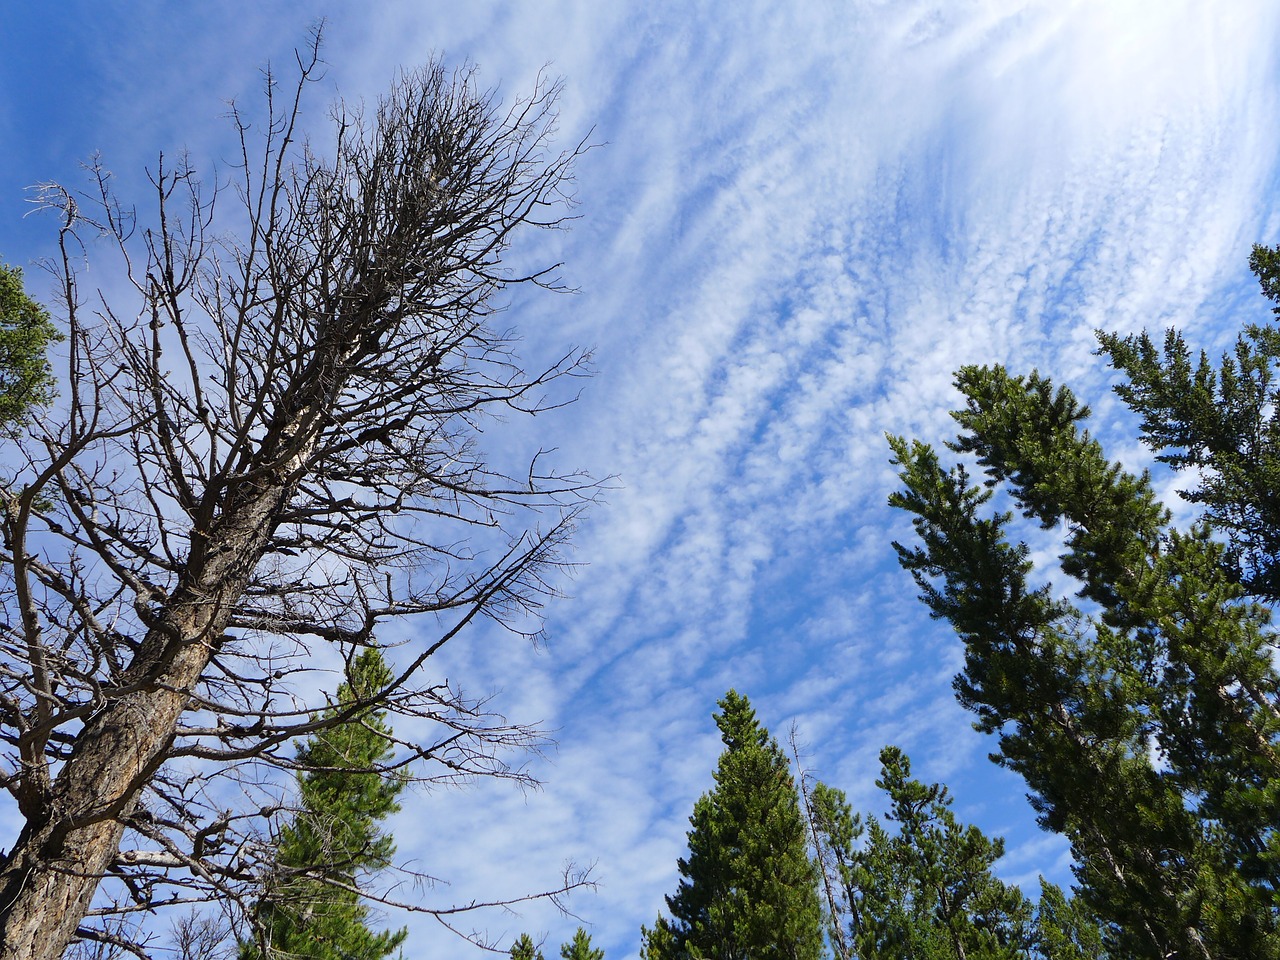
[270,448]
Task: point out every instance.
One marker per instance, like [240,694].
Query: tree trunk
[56,864]
[49,877]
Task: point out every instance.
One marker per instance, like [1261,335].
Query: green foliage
[1145,723]
[1223,423]
[927,890]
[25,333]
[525,949]
[579,948]
[747,888]
[836,830]
[922,884]
[659,943]
[1064,928]
[312,908]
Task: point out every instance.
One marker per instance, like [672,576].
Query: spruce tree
[747,887]
[311,908]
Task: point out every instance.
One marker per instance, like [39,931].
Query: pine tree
[1065,930]
[834,830]
[1223,423]
[747,888]
[525,949]
[922,885]
[311,908]
[928,890]
[1146,719]
[579,948]
[25,332]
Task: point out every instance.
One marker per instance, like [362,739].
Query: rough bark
[49,877]
[182,537]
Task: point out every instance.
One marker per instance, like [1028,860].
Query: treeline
[779,866]
[1143,712]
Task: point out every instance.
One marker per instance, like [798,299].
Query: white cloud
[806,217]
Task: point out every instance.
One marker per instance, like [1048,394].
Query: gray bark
[49,877]
[330,378]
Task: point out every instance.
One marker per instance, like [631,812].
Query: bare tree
[264,454]
[830,869]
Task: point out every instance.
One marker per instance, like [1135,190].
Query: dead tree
[266,453]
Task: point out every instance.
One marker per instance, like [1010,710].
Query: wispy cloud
[805,218]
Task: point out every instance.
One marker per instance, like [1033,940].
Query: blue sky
[804,217]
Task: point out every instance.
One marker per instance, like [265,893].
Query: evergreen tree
[579,948]
[25,332]
[525,949]
[311,908]
[1223,423]
[922,884]
[834,832]
[1146,720]
[747,887]
[927,890]
[1065,930]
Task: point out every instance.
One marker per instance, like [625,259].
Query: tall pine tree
[747,887]
[1146,719]
[311,908]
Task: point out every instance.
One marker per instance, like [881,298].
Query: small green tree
[1065,930]
[922,885]
[747,887]
[311,907]
[25,333]
[579,948]
[525,949]
[928,890]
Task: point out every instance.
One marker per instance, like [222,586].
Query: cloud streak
[805,218]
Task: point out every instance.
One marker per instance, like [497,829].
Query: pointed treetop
[738,724]
[747,887]
[579,948]
[525,949]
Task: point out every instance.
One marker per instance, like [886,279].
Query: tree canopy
[1144,714]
